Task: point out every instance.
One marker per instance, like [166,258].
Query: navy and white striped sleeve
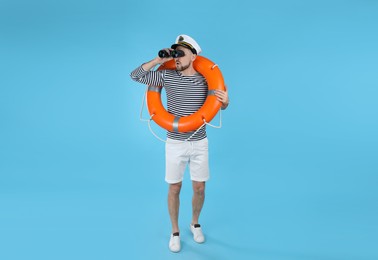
[151,78]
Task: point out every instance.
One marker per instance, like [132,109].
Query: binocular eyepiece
[173,54]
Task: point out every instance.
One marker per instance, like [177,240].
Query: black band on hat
[186,45]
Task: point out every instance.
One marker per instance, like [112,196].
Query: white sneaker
[197,233]
[175,244]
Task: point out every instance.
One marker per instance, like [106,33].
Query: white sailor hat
[188,42]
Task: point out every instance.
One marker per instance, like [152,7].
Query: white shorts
[178,154]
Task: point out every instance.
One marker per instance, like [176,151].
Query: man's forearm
[149,65]
[224,106]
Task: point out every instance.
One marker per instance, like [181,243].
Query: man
[186,92]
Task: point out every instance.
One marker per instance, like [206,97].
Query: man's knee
[175,188]
[199,187]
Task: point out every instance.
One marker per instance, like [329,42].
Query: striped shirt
[185,95]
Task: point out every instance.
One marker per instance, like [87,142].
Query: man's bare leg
[174,204]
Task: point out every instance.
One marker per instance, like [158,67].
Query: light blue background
[294,168]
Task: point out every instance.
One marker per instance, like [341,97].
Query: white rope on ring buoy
[186,140]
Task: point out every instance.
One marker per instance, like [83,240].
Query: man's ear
[194,56]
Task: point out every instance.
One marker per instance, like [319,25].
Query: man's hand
[162,60]
[222,97]
[157,60]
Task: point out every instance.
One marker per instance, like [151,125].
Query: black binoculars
[173,54]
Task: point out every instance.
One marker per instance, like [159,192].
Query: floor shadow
[251,252]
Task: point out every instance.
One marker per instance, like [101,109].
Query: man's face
[182,63]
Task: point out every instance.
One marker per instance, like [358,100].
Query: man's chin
[179,67]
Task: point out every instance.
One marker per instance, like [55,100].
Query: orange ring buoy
[208,110]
